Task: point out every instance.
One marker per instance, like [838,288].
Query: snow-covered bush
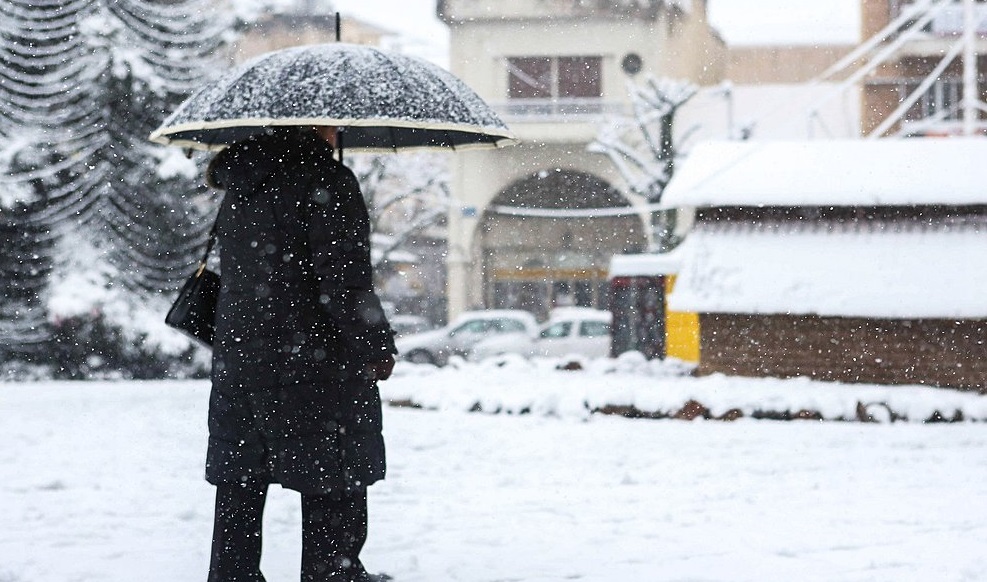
[91,347]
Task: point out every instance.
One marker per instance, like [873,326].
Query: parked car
[569,330]
[436,346]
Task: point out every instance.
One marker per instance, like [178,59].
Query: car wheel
[421,357]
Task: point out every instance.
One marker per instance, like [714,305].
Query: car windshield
[475,326]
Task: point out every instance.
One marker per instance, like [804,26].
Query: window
[576,77]
[530,78]
[579,77]
[594,329]
[508,325]
[941,100]
[557,330]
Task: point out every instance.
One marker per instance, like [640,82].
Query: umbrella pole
[339,132]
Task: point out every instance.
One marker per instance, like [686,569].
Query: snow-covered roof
[836,270]
[646,264]
[851,172]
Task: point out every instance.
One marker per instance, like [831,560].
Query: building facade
[303,23]
[535,225]
[919,88]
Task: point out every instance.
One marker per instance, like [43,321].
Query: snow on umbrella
[384,102]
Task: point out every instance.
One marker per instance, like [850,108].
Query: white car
[436,346]
[569,330]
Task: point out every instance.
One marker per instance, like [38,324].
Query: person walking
[301,340]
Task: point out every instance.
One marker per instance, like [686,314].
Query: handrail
[558,110]
[950,20]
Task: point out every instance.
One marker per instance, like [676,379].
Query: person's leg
[236,538]
[334,529]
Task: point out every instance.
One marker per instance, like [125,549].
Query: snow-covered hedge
[634,387]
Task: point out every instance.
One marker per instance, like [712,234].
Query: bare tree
[406,194]
[642,147]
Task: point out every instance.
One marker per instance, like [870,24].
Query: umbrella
[384,101]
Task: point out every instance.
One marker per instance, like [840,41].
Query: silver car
[569,331]
[436,346]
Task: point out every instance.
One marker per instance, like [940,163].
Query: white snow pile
[173,163]
[84,287]
[632,386]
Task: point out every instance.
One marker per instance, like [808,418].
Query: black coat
[297,321]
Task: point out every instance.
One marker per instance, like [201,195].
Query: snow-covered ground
[101,482]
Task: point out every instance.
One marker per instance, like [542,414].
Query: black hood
[247,163]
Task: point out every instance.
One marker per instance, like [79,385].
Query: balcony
[949,20]
[589,110]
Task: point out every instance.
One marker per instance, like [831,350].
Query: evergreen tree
[37,49]
[153,55]
[86,81]
[24,267]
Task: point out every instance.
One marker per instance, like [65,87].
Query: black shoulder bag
[194,311]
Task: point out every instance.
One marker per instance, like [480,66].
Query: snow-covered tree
[405,193]
[95,221]
[642,147]
[86,81]
[39,51]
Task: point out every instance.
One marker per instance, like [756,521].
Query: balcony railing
[949,20]
[558,110]
[941,100]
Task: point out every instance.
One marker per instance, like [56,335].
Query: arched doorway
[547,240]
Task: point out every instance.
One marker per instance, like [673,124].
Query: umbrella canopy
[384,102]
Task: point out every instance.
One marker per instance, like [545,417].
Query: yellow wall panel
[682,336]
